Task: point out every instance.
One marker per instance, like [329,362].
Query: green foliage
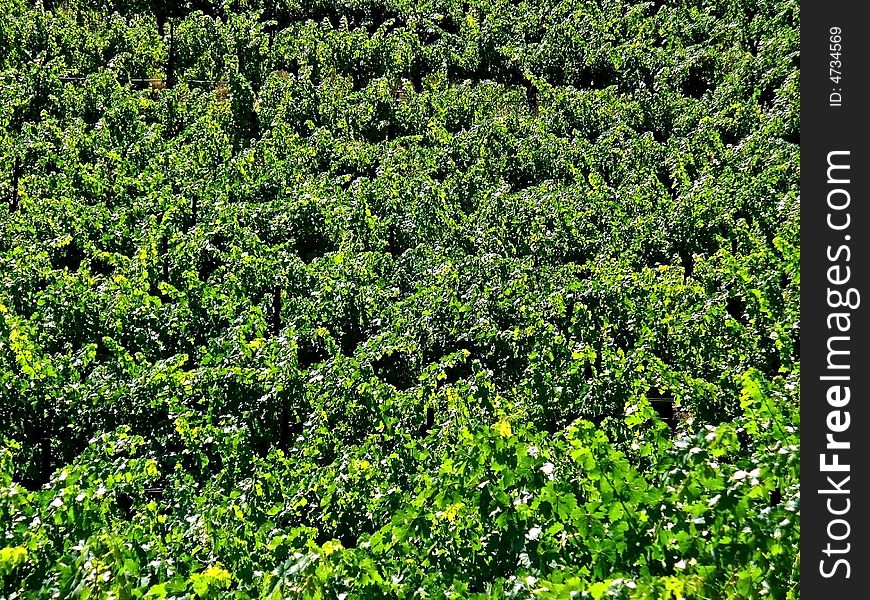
[392,299]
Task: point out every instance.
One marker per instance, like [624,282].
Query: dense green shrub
[381,298]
